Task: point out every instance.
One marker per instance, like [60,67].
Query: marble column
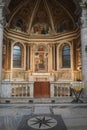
[56,56]
[84,45]
[50,58]
[27,57]
[1,43]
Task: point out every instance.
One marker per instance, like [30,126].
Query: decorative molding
[49,39]
[3,22]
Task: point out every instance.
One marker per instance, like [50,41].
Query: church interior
[43,64]
[41,47]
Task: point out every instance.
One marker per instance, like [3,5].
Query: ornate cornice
[49,39]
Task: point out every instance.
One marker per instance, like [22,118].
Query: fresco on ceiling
[41,59]
[64,26]
[40,29]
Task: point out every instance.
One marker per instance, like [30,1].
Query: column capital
[2,22]
[84,14]
[3,12]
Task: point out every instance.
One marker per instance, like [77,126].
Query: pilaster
[27,57]
[1,38]
[2,23]
[84,43]
[1,44]
[50,57]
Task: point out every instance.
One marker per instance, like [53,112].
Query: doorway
[42,89]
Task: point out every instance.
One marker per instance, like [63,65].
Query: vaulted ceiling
[51,12]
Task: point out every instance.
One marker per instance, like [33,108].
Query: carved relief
[63,75]
[19,75]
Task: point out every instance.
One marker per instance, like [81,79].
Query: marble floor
[13,116]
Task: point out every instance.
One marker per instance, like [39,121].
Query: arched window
[17,56]
[66,56]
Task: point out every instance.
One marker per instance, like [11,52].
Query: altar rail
[20,89]
[61,89]
[26,89]
[17,89]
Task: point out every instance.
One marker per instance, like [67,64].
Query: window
[17,56]
[66,56]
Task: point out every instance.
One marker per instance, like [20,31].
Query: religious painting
[64,26]
[41,59]
[40,29]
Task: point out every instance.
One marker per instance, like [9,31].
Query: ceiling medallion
[42,122]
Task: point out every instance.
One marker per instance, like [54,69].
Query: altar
[41,77]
